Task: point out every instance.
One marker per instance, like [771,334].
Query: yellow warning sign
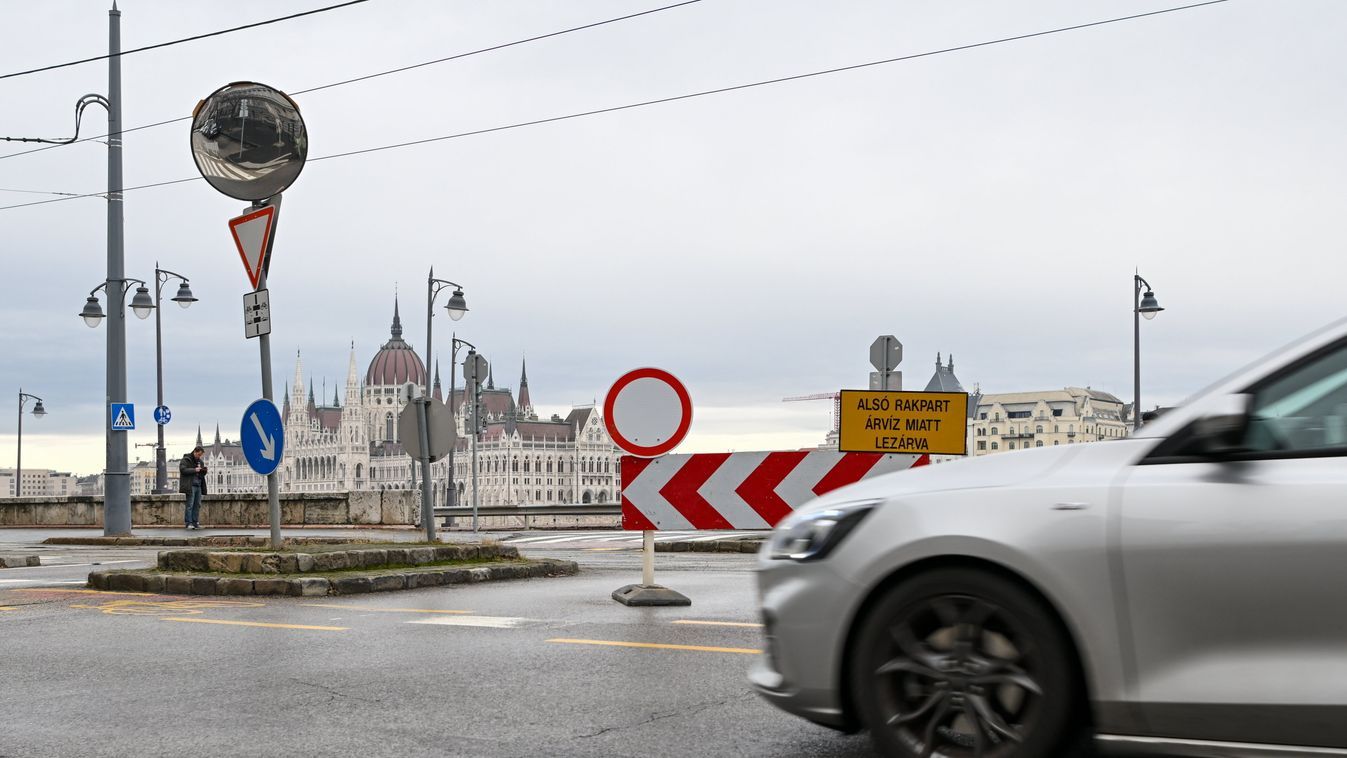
[904,422]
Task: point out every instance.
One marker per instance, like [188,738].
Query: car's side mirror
[1222,429]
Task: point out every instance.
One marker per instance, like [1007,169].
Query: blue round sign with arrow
[263,436]
[162,415]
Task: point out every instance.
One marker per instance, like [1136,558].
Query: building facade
[1021,420]
[354,442]
[38,482]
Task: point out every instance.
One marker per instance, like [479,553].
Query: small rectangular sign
[256,314]
[903,422]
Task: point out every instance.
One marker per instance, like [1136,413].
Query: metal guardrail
[586,509]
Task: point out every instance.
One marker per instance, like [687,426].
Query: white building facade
[38,482]
[1020,420]
[353,443]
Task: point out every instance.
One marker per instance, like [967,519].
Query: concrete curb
[375,556]
[742,545]
[314,586]
[19,561]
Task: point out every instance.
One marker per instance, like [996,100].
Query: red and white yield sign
[252,236]
[647,412]
[740,490]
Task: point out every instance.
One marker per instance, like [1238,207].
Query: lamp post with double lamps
[457,307]
[1142,306]
[39,412]
[453,369]
[117,477]
[185,299]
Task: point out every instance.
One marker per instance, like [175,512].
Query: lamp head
[93,312]
[1149,306]
[456,306]
[185,298]
[141,303]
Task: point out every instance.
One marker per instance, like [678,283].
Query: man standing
[192,483]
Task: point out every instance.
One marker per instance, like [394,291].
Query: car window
[1302,410]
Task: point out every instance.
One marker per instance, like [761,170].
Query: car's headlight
[812,536]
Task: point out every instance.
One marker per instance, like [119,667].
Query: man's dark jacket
[187,474]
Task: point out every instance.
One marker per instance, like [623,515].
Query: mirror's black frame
[1222,431]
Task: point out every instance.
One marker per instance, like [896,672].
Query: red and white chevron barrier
[739,490]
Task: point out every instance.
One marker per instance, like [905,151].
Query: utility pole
[116,479]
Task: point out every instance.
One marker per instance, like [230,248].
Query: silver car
[1179,592]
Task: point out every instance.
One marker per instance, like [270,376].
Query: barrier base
[649,594]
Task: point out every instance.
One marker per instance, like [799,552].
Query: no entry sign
[647,412]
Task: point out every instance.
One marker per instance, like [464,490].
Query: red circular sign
[647,412]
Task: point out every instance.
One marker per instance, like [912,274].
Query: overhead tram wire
[674,98]
[398,70]
[193,38]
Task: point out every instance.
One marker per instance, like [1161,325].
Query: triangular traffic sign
[252,236]
[123,420]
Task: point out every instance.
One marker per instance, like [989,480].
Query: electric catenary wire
[400,69]
[675,98]
[184,39]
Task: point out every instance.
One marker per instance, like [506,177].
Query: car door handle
[1070,506]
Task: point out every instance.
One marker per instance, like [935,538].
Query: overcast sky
[992,203]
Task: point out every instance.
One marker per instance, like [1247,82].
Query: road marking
[490,622]
[603,549]
[660,646]
[385,610]
[72,564]
[91,592]
[719,623]
[260,624]
[8,608]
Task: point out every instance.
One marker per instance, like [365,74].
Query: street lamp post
[1142,306]
[117,476]
[185,299]
[453,369]
[117,488]
[456,307]
[39,412]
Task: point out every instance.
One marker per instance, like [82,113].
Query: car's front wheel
[962,663]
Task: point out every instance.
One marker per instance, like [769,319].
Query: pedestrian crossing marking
[490,622]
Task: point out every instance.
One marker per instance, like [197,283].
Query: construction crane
[836,397]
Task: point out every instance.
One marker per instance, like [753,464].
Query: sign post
[648,413]
[249,142]
[475,367]
[885,354]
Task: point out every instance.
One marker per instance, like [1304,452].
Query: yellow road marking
[258,623]
[659,646]
[373,608]
[719,623]
[87,592]
[8,608]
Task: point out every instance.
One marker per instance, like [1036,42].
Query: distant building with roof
[353,442]
[1021,420]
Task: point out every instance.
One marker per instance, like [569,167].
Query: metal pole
[18,464]
[476,409]
[452,496]
[647,558]
[160,463]
[117,479]
[423,419]
[273,479]
[1136,351]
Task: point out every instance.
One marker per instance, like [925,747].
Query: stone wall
[387,508]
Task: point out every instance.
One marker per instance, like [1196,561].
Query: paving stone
[303,562]
[271,587]
[310,586]
[388,582]
[204,585]
[98,580]
[350,585]
[235,586]
[334,561]
[122,582]
[178,585]
[154,583]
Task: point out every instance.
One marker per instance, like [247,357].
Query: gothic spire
[198,435]
[396,331]
[524,400]
[437,394]
[491,376]
[217,433]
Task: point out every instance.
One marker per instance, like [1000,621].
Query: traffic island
[317,570]
[217,540]
[19,561]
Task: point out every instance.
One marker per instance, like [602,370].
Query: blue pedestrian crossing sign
[122,416]
[263,436]
[162,415]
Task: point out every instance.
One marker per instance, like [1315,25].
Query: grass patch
[339,573]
